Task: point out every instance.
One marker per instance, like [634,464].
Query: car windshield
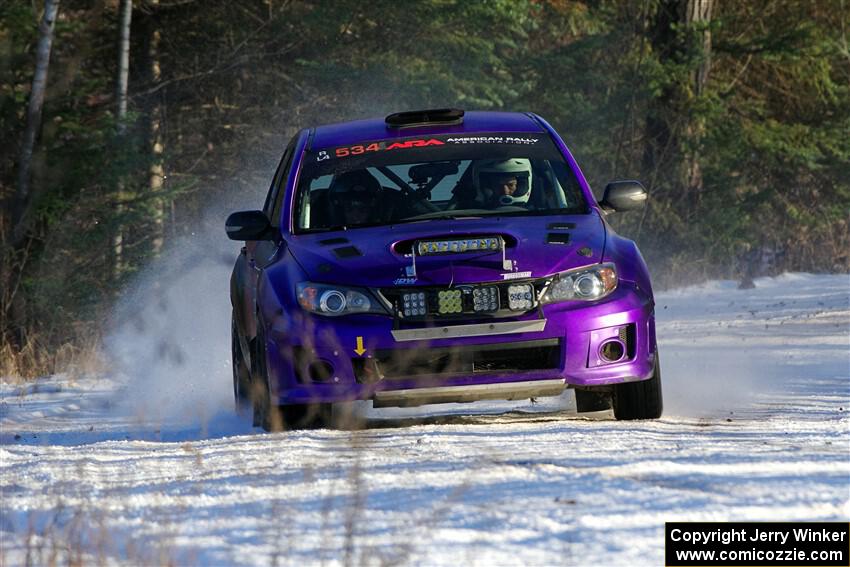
[417,179]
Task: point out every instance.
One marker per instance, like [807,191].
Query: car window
[370,187]
[274,198]
[273,188]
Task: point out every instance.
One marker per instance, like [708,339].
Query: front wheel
[590,401]
[272,417]
[241,373]
[639,400]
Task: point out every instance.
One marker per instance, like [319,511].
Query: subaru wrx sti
[438,256]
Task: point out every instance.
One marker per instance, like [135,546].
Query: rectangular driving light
[413,304]
[449,301]
[485,299]
[520,297]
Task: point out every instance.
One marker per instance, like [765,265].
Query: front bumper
[314,359]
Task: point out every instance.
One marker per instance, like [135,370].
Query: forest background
[734,113]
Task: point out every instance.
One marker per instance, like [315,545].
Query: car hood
[380,256]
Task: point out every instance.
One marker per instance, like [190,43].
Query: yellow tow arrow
[360,350]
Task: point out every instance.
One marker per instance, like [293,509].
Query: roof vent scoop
[442,116]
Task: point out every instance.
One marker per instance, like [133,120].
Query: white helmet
[489,173]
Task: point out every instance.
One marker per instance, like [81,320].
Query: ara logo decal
[415,144]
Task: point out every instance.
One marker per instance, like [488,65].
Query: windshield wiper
[458,214]
[545,212]
[320,229]
[341,227]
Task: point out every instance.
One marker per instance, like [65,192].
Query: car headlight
[587,284]
[334,300]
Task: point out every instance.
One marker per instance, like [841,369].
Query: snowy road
[757,389]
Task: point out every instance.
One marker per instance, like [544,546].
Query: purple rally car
[438,256]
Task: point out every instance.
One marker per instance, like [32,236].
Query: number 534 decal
[357,150]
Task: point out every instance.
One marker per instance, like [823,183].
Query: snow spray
[169,338]
[722,347]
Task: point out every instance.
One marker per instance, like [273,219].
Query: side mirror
[248,225]
[627,195]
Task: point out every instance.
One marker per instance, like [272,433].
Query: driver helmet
[508,180]
[354,196]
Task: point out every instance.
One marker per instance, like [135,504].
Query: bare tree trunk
[700,12]
[36,102]
[662,38]
[123,75]
[678,33]
[123,62]
[697,13]
[156,173]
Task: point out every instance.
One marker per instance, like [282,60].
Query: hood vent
[558,238]
[331,241]
[347,252]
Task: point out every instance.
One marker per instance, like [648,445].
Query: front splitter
[470,393]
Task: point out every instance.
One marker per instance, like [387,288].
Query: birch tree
[124,20]
[155,110]
[36,103]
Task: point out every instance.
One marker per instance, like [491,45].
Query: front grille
[439,302]
[397,364]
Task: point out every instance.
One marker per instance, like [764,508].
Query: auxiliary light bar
[459,246]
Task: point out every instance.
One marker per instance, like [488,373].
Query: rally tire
[305,416]
[260,398]
[272,417]
[590,401]
[639,400]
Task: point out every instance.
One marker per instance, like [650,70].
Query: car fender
[625,254]
[242,299]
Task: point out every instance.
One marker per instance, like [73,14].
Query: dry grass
[79,536]
[81,541]
[37,358]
